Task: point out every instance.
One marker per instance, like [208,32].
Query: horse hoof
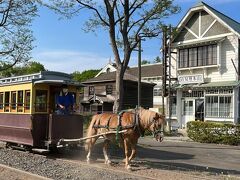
[88,161]
[108,162]
[129,168]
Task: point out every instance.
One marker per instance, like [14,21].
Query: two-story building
[100,92]
[208,67]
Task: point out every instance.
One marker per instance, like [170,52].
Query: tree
[15,35]
[127,21]
[145,62]
[157,60]
[85,75]
[28,68]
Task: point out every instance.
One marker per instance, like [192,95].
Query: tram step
[38,150]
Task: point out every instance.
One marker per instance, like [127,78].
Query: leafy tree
[145,62]
[85,75]
[157,60]
[15,35]
[28,68]
[34,67]
[126,21]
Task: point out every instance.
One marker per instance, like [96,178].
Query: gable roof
[234,25]
[148,70]
[111,76]
[225,20]
[131,74]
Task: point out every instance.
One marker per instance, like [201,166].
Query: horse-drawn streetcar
[28,109]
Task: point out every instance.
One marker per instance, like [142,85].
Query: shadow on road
[146,158]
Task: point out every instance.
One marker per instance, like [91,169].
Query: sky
[62,45]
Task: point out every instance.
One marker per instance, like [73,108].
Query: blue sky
[62,45]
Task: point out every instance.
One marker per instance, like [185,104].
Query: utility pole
[169,76]
[139,70]
[166,77]
[163,70]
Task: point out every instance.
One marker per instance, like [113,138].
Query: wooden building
[99,93]
[151,73]
[207,66]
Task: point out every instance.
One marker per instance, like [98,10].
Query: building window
[108,70]
[109,89]
[156,92]
[192,93]
[198,56]
[219,106]
[174,106]
[91,90]
[188,108]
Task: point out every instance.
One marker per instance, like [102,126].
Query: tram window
[20,101]
[1,101]
[27,100]
[41,101]
[7,97]
[13,100]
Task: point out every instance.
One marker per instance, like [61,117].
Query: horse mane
[148,115]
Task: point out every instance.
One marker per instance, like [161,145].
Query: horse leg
[127,165]
[105,146]
[133,147]
[89,147]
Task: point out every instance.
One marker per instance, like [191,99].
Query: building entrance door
[199,109]
[188,107]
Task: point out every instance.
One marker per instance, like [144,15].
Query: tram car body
[28,110]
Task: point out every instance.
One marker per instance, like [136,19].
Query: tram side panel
[16,128]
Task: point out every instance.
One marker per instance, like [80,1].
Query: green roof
[210,85]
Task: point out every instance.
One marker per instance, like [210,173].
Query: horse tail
[91,131]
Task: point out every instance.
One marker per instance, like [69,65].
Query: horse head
[153,122]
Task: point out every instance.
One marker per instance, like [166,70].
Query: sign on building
[191,79]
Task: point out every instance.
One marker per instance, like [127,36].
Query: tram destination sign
[191,79]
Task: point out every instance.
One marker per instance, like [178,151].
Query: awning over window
[198,42]
[209,85]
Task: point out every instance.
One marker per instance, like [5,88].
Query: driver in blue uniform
[65,101]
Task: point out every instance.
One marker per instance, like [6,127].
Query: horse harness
[135,125]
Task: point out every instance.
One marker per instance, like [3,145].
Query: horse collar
[141,132]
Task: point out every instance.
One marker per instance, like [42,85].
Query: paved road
[181,155]
[190,155]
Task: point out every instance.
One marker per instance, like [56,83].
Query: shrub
[212,132]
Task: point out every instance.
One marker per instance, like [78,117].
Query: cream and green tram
[28,108]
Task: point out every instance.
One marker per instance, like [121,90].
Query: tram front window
[27,101]
[41,101]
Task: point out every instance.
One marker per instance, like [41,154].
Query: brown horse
[134,121]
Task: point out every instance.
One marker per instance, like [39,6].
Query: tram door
[54,92]
[188,113]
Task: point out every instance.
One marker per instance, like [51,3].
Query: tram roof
[43,77]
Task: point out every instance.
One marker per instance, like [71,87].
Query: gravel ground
[72,166]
